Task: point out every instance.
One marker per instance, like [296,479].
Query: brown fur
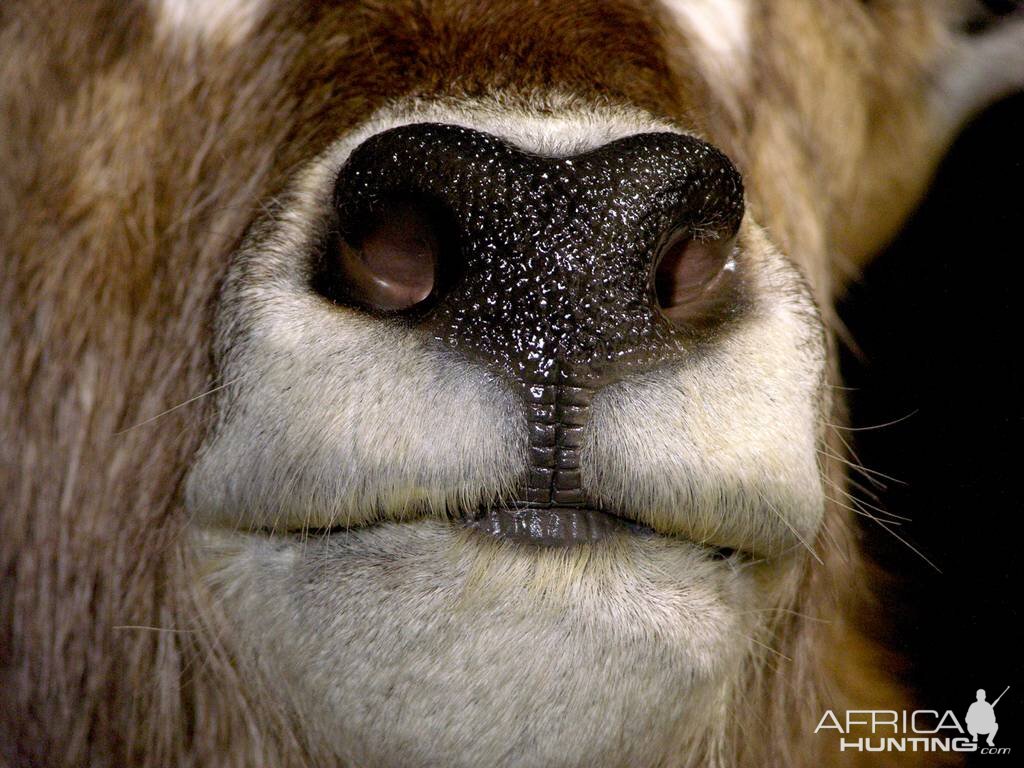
[129,168]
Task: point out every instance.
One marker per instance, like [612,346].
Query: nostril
[688,271]
[391,262]
[393,266]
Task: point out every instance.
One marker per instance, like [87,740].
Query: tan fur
[131,164]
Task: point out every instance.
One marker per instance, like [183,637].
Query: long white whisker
[173,408]
[875,426]
[792,529]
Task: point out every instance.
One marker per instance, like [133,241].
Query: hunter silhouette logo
[920,730]
[981,717]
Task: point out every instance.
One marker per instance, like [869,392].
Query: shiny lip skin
[551,526]
[561,527]
[547,527]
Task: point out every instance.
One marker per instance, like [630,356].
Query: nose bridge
[551,283]
[555,256]
[560,305]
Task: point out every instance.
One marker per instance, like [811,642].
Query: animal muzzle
[547,270]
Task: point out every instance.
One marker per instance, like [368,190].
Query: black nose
[560,274]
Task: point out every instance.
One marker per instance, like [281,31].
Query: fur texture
[136,156]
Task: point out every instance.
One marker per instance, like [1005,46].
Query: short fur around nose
[551,261]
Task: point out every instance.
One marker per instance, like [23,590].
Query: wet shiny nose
[562,275]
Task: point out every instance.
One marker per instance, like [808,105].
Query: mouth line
[556,527]
[562,527]
[551,527]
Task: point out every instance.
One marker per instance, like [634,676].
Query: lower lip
[552,527]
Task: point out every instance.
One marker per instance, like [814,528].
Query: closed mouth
[555,527]
[551,526]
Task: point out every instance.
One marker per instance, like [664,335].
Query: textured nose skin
[553,285]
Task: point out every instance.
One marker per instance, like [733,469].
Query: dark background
[936,319]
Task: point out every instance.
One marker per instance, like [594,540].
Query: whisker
[863,488]
[910,546]
[780,654]
[791,528]
[861,504]
[836,546]
[874,426]
[849,448]
[867,473]
[174,408]
[842,388]
[789,611]
[153,629]
[859,511]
